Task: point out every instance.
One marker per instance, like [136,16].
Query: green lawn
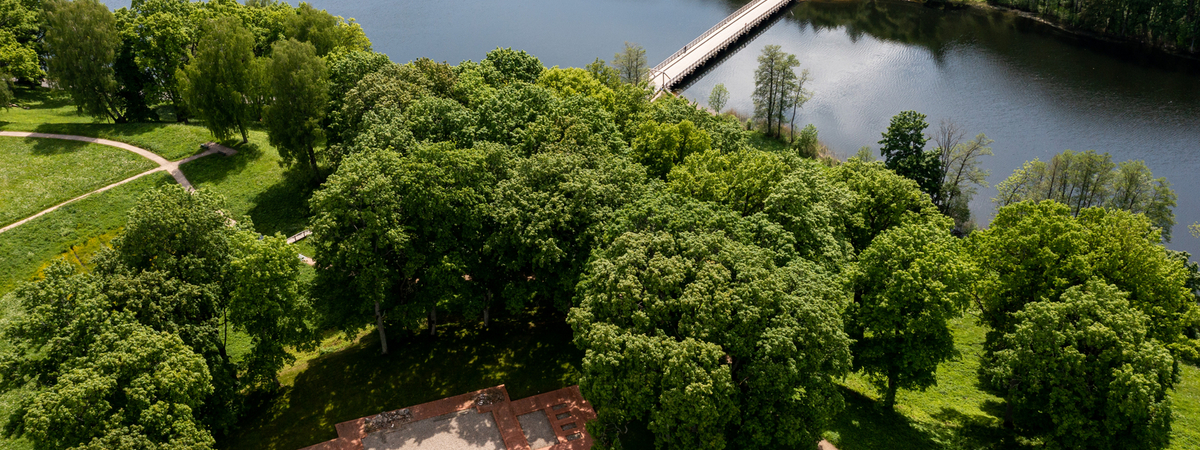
[40,173]
[27,248]
[957,415]
[530,353]
[51,112]
[254,184]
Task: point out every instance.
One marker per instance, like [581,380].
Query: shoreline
[983,5]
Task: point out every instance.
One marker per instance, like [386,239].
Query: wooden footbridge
[667,74]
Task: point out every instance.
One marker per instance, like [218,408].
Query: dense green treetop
[702,323]
[550,213]
[505,115]
[741,180]
[727,133]
[327,33]
[439,119]
[809,203]
[268,302]
[903,150]
[574,124]
[298,83]
[911,281]
[82,41]
[503,66]
[386,220]
[660,147]
[1034,252]
[346,69]
[1084,372]
[575,81]
[217,81]
[126,387]
[883,200]
[19,39]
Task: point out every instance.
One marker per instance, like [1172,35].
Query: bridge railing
[657,72]
[708,33]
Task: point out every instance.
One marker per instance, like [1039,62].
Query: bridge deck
[685,61]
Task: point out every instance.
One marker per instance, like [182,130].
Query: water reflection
[1035,89]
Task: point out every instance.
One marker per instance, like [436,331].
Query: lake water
[1033,89]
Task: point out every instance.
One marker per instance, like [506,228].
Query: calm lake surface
[1033,89]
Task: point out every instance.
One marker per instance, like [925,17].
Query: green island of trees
[708,281]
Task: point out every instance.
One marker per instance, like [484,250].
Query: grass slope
[40,173]
[255,184]
[530,353]
[27,248]
[51,112]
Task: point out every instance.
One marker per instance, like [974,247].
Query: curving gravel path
[171,167]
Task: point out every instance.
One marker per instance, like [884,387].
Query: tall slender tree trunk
[379,325]
[312,159]
[487,306]
[890,398]
[433,320]
[225,341]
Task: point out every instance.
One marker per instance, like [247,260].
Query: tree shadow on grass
[113,131]
[978,431]
[215,169]
[529,353]
[283,207]
[866,424]
[49,147]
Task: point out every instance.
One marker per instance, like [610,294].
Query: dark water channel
[1033,89]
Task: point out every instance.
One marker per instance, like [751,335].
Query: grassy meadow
[51,112]
[40,173]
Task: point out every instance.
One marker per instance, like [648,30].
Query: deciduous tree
[1085,369]
[1086,179]
[505,65]
[741,180]
[82,43]
[903,149]
[299,87]
[704,325]
[161,33]
[774,86]
[1034,252]
[816,208]
[396,233]
[631,64]
[550,213]
[268,303]
[19,39]
[882,200]
[911,281]
[960,170]
[660,147]
[718,98]
[217,81]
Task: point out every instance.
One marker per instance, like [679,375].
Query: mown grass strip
[40,173]
[24,250]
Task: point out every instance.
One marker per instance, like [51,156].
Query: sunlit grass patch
[51,112]
[40,173]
